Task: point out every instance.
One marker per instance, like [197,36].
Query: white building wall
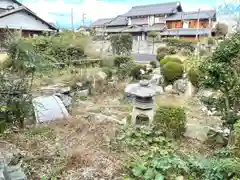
[23,20]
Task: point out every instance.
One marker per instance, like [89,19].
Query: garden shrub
[119,60]
[153,63]
[62,47]
[121,43]
[161,56]
[237,138]
[135,71]
[210,41]
[168,50]
[108,71]
[125,69]
[162,49]
[204,52]
[194,76]
[171,72]
[171,120]
[180,43]
[170,59]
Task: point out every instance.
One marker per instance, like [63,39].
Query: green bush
[153,63]
[162,49]
[167,50]
[172,71]
[108,71]
[119,60]
[121,44]
[161,56]
[194,76]
[125,69]
[135,71]
[63,47]
[170,59]
[180,43]
[237,138]
[171,120]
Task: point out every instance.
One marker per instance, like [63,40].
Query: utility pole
[83,19]
[72,19]
[198,24]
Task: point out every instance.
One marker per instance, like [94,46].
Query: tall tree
[152,35]
[222,74]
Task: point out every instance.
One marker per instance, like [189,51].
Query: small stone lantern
[143,102]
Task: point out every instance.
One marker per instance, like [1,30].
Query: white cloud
[93,9]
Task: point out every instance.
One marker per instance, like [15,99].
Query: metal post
[198,24]
[72,19]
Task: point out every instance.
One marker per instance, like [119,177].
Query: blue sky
[59,11]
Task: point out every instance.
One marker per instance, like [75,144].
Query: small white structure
[143,103]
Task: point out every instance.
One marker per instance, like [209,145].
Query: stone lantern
[143,102]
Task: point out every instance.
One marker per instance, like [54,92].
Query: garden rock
[196,131]
[65,90]
[49,108]
[180,85]
[218,136]
[156,79]
[81,93]
[101,75]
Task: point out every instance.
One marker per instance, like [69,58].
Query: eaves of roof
[29,12]
[186,31]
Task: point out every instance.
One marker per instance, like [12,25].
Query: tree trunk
[153,47]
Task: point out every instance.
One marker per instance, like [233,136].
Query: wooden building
[168,19]
[15,16]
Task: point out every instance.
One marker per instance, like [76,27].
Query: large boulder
[180,85]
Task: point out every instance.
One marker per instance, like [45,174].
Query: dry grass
[67,148]
[65,76]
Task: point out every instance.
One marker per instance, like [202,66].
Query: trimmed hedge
[171,72]
[169,59]
[171,120]
[168,50]
[194,76]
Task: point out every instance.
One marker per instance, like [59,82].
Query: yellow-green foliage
[172,71]
[170,59]
[194,75]
[171,120]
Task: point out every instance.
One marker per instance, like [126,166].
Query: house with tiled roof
[168,19]
[16,16]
